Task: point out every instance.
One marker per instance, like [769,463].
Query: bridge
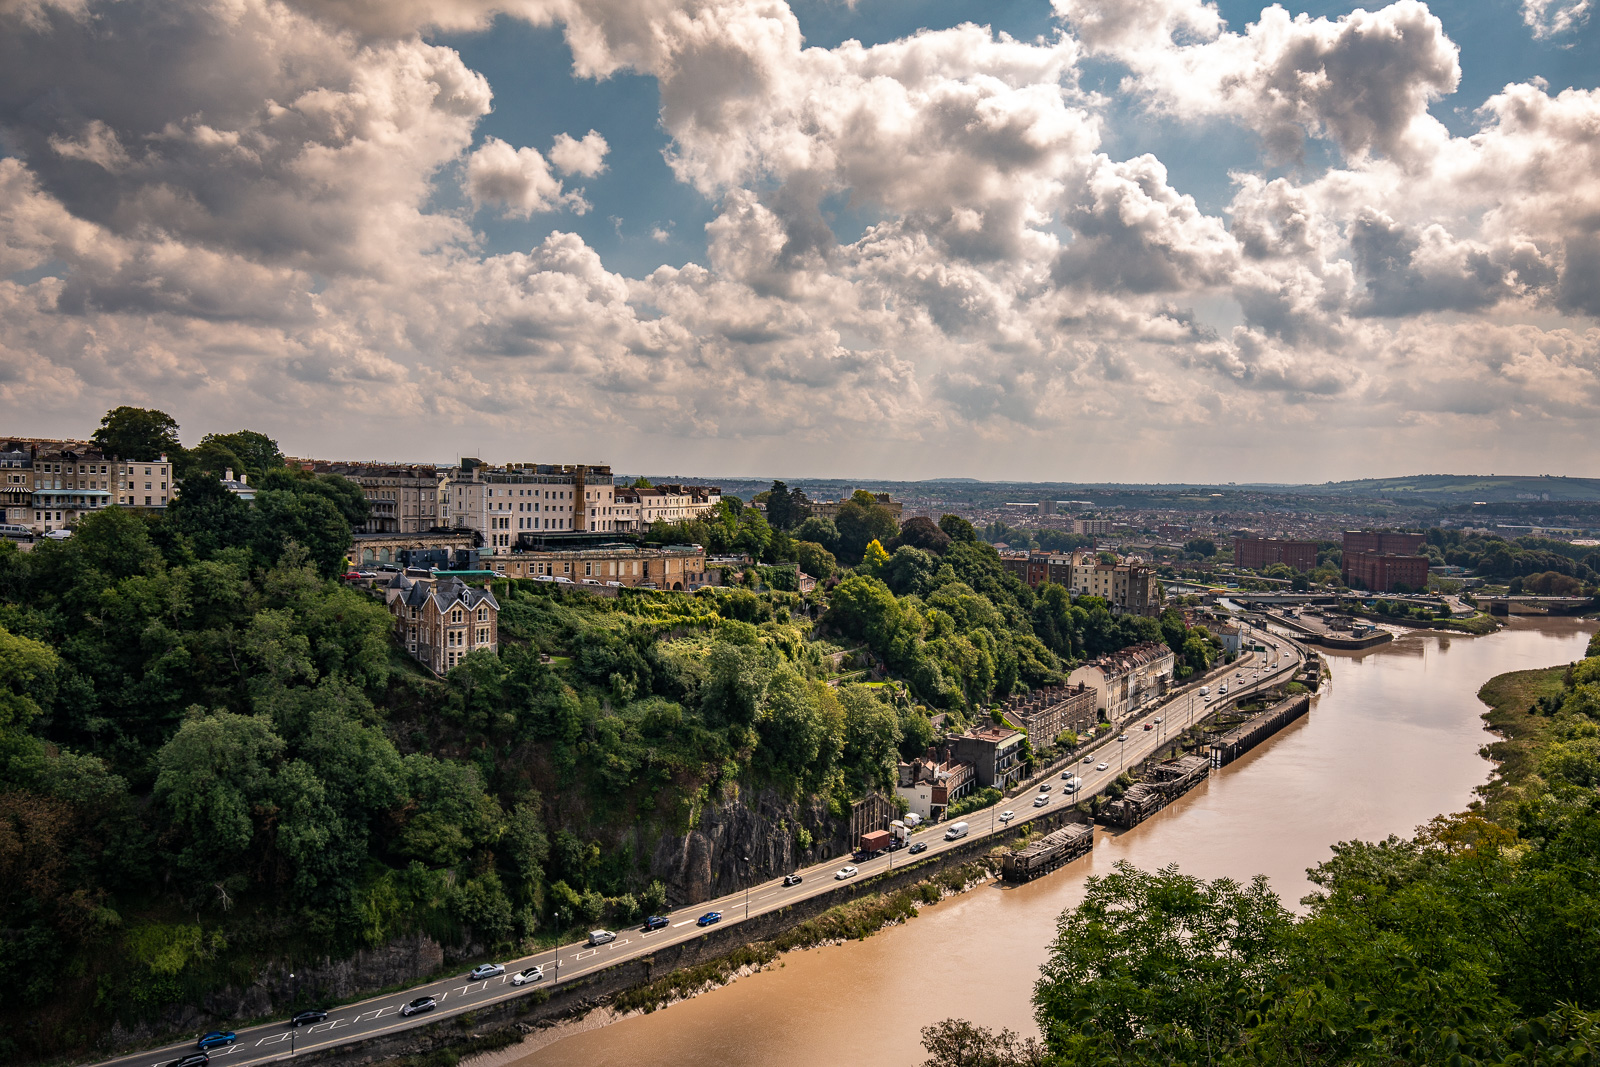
[1537,605]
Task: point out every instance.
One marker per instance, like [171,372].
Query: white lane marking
[273,1039]
[619,944]
[464,990]
[224,1050]
[378,1014]
[325,1026]
[585,955]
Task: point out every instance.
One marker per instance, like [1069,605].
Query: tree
[957,528]
[257,453]
[875,556]
[785,508]
[138,434]
[27,669]
[307,519]
[921,532]
[1200,546]
[212,778]
[820,531]
[210,516]
[815,560]
[860,524]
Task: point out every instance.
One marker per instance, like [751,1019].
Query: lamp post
[1122,753]
[293,1003]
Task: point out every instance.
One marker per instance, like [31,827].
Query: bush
[983,798]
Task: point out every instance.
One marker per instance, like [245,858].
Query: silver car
[487,970]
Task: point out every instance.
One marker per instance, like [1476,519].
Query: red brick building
[1258,553]
[1382,573]
[1382,542]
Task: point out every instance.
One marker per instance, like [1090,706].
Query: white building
[505,502]
[1126,681]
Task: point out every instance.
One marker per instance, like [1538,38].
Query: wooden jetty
[1165,783]
[1250,733]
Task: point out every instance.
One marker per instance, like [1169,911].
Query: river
[1390,743]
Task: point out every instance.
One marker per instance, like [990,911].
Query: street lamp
[747,888]
[293,1003]
[1122,752]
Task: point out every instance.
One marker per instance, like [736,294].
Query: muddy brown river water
[1391,743]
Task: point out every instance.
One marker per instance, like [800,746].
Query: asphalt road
[381,1015]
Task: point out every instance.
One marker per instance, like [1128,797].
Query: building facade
[49,489]
[994,752]
[632,566]
[440,621]
[829,509]
[1382,560]
[541,499]
[1127,586]
[1128,680]
[402,499]
[932,782]
[1046,713]
[1385,573]
[668,503]
[1258,553]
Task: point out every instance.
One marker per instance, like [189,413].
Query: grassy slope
[1523,736]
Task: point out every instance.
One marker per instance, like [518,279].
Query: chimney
[244,479]
[228,474]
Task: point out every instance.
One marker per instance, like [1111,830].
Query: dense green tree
[138,434]
[921,532]
[820,531]
[214,779]
[957,529]
[257,453]
[306,519]
[211,517]
[815,560]
[786,508]
[859,524]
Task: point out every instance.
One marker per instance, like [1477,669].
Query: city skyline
[1036,241]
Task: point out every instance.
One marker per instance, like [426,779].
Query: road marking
[619,944]
[378,1014]
[464,990]
[586,955]
[685,922]
[272,1039]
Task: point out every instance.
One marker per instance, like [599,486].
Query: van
[14,532]
[957,831]
[1204,689]
[601,937]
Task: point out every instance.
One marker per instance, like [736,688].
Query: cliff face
[403,960]
[709,860]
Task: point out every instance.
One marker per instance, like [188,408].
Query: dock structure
[1047,853]
[1250,733]
[1166,782]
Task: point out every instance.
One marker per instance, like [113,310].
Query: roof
[445,594]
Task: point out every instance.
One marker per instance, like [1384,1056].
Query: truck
[872,843]
[898,834]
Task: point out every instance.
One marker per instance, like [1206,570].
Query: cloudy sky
[1074,239]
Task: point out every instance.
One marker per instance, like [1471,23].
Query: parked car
[366,574]
[350,576]
[1041,800]
[486,970]
[917,847]
[306,1018]
[532,974]
[601,937]
[1007,816]
[562,580]
[191,1059]
[848,871]
[792,879]
[1101,766]
[418,1006]
[215,1039]
[543,578]
[709,918]
[655,922]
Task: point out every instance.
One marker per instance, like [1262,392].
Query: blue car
[655,922]
[216,1039]
[709,917]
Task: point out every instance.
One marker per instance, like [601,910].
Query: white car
[1070,787]
[1156,720]
[1088,759]
[532,974]
[1041,800]
[1007,816]
[1101,766]
[487,970]
[845,872]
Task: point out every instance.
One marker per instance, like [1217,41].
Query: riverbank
[1519,711]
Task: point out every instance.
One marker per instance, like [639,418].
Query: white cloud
[1552,18]
[586,157]
[518,180]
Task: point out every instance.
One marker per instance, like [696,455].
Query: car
[561,580]
[418,1006]
[1156,719]
[1041,800]
[709,918]
[1007,816]
[1149,726]
[601,937]
[367,574]
[792,879]
[58,535]
[1066,775]
[1122,737]
[917,848]
[1045,788]
[654,922]
[1070,787]
[1101,766]
[215,1039]
[589,581]
[1088,759]
[191,1059]
[543,578]
[532,974]
[486,970]
[306,1018]
[845,872]
[350,576]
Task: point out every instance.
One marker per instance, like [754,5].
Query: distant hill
[1441,489]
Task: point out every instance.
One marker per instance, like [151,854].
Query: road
[381,1015]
